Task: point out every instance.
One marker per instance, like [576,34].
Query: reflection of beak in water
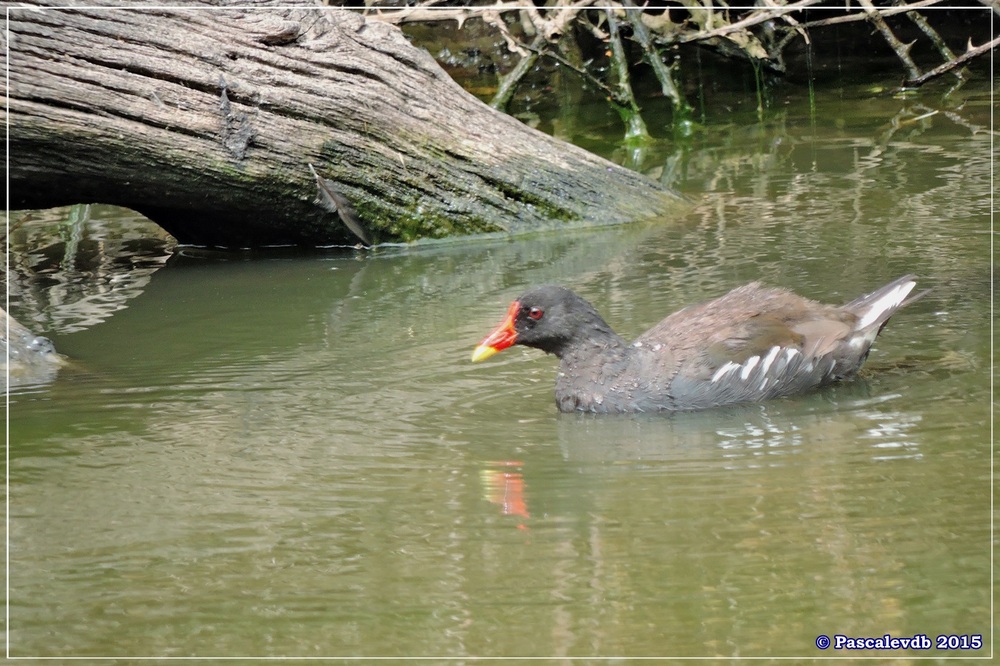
[506,488]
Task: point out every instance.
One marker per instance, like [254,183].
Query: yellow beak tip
[483,352]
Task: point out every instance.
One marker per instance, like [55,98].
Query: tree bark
[206,118]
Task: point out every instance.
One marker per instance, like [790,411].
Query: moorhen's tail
[874,309]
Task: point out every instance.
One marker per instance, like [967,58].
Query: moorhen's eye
[536,313]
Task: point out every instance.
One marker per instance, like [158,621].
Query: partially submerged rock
[28,359]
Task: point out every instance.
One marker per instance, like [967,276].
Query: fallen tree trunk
[205,119]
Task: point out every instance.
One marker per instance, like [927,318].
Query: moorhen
[753,344]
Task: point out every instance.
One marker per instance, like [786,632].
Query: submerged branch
[663,74]
[624,97]
[509,81]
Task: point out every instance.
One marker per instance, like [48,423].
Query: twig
[792,21]
[584,74]
[493,18]
[641,34]
[858,16]
[624,97]
[510,81]
[925,27]
[971,53]
[902,50]
[756,18]
[946,53]
[425,14]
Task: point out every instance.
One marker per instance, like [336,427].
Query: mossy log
[206,118]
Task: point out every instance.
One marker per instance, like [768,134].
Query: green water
[291,455]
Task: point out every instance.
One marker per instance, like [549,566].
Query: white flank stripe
[769,359]
[750,364]
[888,302]
[725,368]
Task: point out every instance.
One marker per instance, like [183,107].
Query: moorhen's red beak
[503,336]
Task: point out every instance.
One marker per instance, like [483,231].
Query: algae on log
[205,119]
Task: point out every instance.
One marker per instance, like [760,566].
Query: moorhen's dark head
[547,318]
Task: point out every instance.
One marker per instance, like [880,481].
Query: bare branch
[493,18]
[973,52]
[792,21]
[858,16]
[509,82]
[902,50]
[663,74]
[628,107]
[426,13]
[755,18]
[925,27]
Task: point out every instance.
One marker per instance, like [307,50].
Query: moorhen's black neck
[590,339]
[590,363]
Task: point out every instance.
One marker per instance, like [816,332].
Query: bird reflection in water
[503,485]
